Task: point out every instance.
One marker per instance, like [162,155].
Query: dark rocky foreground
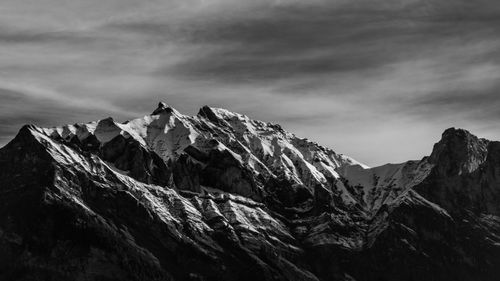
[219,196]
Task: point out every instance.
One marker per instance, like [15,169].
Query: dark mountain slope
[219,196]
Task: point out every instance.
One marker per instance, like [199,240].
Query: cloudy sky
[378,80]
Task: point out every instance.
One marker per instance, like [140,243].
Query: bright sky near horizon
[378,80]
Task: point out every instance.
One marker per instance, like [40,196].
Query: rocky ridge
[219,196]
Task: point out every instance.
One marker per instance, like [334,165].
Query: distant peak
[218,113]
[26,131]
[204,110]
[460,148]
[162,107]
[108,120]
[211,114]
[28,127]
[456,136]
[456,132]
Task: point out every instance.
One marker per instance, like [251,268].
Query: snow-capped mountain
[219,196]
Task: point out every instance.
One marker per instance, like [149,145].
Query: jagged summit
[262,150]
[220,196]
[162,108]
[458,138]
[208,113]
[453,136]
[455,131]
[459,151]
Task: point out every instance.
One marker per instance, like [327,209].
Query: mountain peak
[460,151]
[240,199]
[456,132]
[162,107]
[205,111]
[211,114]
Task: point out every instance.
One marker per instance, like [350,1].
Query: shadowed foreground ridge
[219,196]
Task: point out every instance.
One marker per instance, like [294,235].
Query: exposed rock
[219,196]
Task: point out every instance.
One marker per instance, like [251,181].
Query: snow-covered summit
[265,149]
[264,152]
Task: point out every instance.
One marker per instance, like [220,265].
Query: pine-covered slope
[219,196]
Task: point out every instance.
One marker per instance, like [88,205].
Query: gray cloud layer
[378,80]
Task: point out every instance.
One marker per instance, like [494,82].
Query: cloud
[364,77]
[317,41]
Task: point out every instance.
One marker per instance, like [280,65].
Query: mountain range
[220,196]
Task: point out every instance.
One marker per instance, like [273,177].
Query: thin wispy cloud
[363,77]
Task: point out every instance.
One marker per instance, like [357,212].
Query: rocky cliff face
[219,196]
